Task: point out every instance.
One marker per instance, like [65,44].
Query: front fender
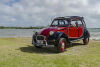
[34,37]
[58,35]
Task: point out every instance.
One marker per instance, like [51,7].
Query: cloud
[37,12]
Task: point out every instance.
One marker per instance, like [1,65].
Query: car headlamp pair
[51,32]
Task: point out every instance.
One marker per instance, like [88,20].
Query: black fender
[34,37]
[86,33]
[58,35]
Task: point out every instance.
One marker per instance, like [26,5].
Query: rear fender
[86,33]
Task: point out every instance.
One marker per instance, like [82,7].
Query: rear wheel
[61,47]
[86,41]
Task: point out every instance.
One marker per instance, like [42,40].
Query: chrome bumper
[40,40]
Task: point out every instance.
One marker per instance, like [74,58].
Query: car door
[73,29]
[64,25]
[80,28]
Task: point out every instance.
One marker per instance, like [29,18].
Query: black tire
[86,41]
[61,47]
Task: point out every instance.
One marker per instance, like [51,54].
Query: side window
[79,23]
[73,24]
[66,22]
[61,22]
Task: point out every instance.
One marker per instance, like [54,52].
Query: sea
[94,33]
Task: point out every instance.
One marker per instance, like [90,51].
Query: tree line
[39,27]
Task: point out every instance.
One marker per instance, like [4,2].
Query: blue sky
[41,12]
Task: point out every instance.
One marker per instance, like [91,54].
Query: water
[94,32]
[16,32]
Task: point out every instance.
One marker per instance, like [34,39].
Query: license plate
[40,41]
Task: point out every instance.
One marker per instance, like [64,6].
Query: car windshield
[60,23]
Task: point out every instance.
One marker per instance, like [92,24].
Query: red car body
[62,31]
[74,32]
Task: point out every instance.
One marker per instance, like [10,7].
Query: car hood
[46,31]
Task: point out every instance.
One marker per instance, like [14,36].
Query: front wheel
[86,41]
[61,47]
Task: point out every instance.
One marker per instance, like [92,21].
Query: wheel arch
[58,35]
[86,33]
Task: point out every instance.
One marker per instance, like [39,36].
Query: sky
[41,12]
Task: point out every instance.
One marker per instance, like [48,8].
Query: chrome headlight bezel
[51,32]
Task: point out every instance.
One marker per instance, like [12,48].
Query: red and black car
[61,32]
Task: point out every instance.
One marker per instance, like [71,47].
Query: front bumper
[40,40]
[39,44]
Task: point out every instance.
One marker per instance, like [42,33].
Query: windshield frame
[65,25]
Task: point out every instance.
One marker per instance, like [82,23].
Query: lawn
[19,52]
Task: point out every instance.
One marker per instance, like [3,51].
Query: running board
[76,40]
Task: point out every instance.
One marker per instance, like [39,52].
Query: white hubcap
[63,44]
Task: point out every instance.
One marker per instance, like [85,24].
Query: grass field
[19,52]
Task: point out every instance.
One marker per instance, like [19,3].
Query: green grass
[19,52]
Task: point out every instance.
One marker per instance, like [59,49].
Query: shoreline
[1,27]
[95,40]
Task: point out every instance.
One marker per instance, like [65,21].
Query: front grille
[40,37]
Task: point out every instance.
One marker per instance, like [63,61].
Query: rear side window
[73,24]
[76,23]
[79,23]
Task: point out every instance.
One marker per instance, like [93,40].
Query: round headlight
[51,33]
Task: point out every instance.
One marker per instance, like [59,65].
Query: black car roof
[70,17]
